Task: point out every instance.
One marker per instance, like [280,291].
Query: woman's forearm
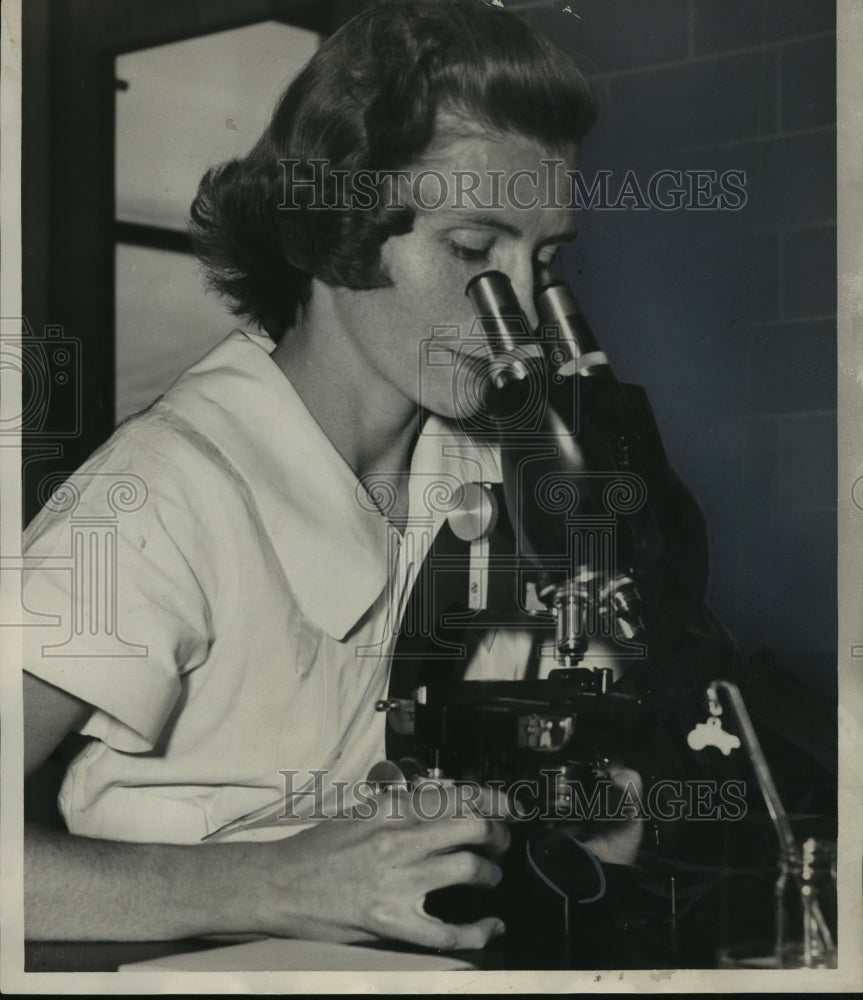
[345,881]
[79,889]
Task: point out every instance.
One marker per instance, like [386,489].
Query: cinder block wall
[727,317]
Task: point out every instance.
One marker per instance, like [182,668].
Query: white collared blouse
[230,612]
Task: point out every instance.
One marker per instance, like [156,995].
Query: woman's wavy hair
[368,100]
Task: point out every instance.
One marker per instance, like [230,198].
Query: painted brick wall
[727,318]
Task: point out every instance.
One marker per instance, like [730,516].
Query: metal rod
[759,764]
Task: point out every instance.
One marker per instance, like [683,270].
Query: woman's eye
[469,253]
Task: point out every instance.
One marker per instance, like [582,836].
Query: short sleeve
[117,567]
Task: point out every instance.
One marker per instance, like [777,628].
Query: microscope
[594,548]
[591,546]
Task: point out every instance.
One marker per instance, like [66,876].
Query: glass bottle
[806,907]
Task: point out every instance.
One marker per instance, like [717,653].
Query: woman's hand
[358,879]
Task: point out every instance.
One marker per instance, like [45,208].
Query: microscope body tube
[663,544]
[598,429]
[524,369]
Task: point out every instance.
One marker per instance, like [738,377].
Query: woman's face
[493,218]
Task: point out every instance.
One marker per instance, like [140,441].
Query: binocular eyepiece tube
[563,338]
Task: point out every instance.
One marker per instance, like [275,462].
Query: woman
[258,587]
